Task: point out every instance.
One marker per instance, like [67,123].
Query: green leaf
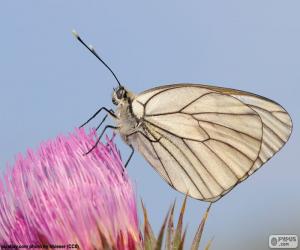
[170,229]
[161,234]
[175,238]
[181,245]
[178,231]
[197,238]
[149,238]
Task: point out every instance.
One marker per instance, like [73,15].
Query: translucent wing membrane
[277,127]
[204,140]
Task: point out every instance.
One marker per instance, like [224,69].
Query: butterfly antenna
[92,50]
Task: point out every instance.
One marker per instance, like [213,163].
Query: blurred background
[50,84]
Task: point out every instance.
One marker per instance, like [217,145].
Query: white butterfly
[202,140]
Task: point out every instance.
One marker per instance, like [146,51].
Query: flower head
[58,195]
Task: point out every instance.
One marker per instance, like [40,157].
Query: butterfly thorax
[126,121]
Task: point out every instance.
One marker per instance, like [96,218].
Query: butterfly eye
[120,93]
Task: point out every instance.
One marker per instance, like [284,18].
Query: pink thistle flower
[59,196]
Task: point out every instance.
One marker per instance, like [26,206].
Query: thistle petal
[58,195]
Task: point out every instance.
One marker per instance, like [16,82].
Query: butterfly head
[119,95]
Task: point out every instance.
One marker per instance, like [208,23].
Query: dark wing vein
[184,170]
[150,142]
[141,133]
[270,112]
[221,125]
[196,99]
[221,113]
[234,148]
[158,93]
[162,164]
[212,176]
[165,130]
[272,131]
[221,159]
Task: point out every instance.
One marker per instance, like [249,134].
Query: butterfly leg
[109,111]
[130,156]
[104,118]
[99,138]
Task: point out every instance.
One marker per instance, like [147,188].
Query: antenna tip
[74,32]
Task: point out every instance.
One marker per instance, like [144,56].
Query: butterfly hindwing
[206,140]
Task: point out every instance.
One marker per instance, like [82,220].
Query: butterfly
[202,140]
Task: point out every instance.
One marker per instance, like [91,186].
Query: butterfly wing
[204,140]
[277,126]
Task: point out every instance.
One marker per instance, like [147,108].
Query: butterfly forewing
[277,126]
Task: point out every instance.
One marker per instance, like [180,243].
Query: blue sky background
[50,84]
